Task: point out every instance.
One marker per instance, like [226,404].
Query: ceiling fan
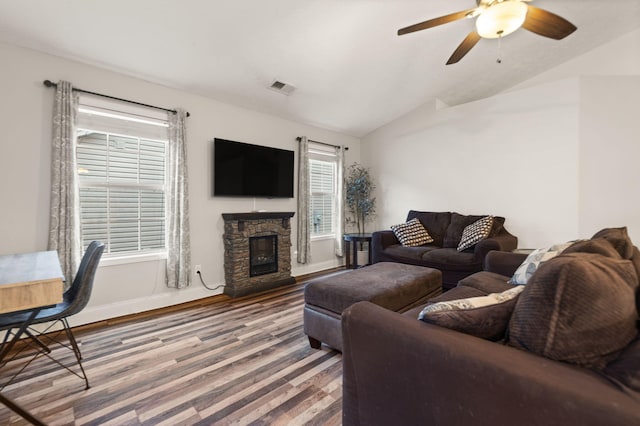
[498,18]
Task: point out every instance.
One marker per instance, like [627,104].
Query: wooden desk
[30,280]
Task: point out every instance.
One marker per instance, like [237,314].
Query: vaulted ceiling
[351,71]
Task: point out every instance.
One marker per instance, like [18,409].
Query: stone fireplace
[257,251]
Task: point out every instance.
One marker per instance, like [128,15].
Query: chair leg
[72,338]
[8,345]
[37,341]
[21,411]
[76,350]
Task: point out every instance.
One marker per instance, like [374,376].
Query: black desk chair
[75,298]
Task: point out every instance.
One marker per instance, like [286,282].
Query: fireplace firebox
[263,255]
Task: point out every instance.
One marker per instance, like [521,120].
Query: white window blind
[322,166]
[121,178]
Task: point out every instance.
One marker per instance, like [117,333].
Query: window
[121,179]
[322,169]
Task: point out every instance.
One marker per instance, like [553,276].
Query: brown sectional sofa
[567,354]
[446,229]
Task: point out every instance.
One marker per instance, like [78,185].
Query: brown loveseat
[446,230]
[578,364]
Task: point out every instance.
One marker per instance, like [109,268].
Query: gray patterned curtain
[340,202]
[304,190]
[177,213]
[64,220]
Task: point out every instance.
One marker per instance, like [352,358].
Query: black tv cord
[206,286]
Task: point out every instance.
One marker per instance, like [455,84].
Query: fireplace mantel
[257,215]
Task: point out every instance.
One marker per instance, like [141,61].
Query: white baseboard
[114,310]
[315,267]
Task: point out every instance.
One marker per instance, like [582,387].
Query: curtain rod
[346,148]
[50,83]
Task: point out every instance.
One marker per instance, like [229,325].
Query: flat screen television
[246,170]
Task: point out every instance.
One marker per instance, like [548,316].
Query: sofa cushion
[486,317]
[477,231]
[626,367]
[411,233]
[498,226]
[456,227]
[435,222]
[578,308]
[489,282]
[534,260]
[400,252]
[458,293]
[449,258]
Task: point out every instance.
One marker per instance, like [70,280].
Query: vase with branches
[359,187]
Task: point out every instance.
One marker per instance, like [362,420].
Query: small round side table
[351,248]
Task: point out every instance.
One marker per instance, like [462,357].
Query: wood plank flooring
[232,361]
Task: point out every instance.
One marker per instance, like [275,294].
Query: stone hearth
[239,228]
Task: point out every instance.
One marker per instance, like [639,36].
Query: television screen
[246,170]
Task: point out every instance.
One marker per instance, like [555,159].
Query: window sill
[323,237]
[132,258]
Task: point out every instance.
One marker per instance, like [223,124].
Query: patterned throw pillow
[412,233]
[534,260]
[472,302]
[477,231]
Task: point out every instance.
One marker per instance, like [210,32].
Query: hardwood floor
[231,361]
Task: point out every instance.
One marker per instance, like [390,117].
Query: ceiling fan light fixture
[501,19]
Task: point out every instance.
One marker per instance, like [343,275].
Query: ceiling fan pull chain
[499,61]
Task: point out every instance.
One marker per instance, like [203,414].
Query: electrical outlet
[196,269]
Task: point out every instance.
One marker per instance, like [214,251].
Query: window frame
[129,131]
[322,154]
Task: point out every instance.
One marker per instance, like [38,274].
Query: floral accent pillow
[534,260]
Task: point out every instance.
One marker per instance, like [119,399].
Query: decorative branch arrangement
[359,187]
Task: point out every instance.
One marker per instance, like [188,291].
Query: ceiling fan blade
[547,24]
[435,22]
[464,47]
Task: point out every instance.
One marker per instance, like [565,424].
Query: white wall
[25,115]
[509,155]
[555,156]
[610,154]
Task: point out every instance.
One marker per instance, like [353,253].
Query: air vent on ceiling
[280,87]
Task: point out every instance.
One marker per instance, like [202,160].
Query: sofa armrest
[503,262]
[379,241]
[398,370]
[502,242]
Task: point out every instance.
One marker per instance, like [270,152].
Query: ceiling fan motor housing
[501,19]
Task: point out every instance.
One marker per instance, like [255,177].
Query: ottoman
[394,286]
